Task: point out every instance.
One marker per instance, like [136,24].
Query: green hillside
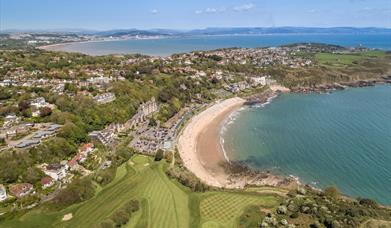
[164,202]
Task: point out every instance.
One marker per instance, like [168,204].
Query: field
[164,202]
[346,58]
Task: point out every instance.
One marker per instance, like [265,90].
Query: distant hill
[132,32]
[285,30]
[213,31]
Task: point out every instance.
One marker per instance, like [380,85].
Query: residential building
[104,98]
[37,104]
[21,189]
[27,143]
[3,193]
[47,182]
[55,171]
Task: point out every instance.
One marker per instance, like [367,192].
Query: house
[3,193]
[42,134]
[10,119]
[37,104]
[53,127]
[73,163]
[27,143]
[80,157]
[104,98]
[86,148]
[20,190]
[55,171]
[47,182]
[256,81]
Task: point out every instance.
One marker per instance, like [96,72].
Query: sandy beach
[199,143]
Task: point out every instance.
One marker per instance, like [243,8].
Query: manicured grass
[164,202]
[225,208]
[346,59]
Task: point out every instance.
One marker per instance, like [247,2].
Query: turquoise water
[167,46]
[342,139]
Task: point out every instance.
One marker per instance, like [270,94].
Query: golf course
[163,202]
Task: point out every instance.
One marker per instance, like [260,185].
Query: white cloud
[244,7]
[211,10]
[154,11]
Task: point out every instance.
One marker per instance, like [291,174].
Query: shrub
[367,202]
[159,155]
[120,217]
[78,191]
[132,206]
[294,215]
[108,223]
[105,176]
[331,192]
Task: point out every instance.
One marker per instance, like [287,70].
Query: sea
[342,138]
[338,139]
[168,46]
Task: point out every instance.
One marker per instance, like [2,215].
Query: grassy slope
[346,59]
[164,203]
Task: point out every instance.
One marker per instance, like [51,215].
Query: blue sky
[188,14]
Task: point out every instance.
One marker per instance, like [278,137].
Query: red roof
[74,160]
[19,189]
[86,147]
[46,180]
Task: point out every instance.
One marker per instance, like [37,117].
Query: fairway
[164,202]
[224,208]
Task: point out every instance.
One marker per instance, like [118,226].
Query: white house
[55,171]
[104,98]
[3,193]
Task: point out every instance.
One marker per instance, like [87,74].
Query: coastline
[59,46]
[202,152]
[199,143]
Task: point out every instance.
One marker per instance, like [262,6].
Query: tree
[45,111]
[72,132]
[368,202]
[120,217]
[108,223]
[77,191]
[32,175]
[132,206]
[159,155]
[70,87]
[23,105]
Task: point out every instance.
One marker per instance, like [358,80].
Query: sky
[191,14]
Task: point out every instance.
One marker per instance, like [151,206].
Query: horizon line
[182,29]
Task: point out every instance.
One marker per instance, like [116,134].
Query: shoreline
[59,46]
[199,146]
